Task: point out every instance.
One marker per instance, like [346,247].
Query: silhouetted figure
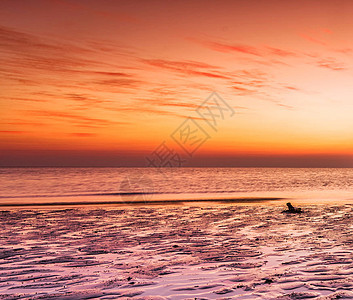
[292,209]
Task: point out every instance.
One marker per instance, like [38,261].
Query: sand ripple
[177,252]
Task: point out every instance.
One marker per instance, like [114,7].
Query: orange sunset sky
[104,83]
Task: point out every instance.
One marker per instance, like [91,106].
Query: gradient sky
[104,83]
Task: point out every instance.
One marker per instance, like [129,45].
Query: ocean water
[126,185]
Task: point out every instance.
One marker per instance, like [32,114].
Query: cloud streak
[259,52]
[332,64]
[187,67]
[41,61]
[75,118]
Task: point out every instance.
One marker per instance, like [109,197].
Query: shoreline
[243,201]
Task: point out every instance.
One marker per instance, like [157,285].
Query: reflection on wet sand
[177,252]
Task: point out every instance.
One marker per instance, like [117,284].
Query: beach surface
[177,252]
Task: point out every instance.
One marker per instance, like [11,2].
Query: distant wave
[78,195]
[149,202]
[112,194]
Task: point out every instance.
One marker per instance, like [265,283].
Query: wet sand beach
[177,252]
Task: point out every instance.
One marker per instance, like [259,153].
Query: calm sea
[53,185]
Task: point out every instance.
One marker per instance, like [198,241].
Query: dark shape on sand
[268,280]
[292,210]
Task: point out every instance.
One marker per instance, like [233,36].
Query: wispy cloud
[317,36]
[82,134]
[255,51]
[313,39]
[188,67]
[223,47]
[147,110]
[37,60]
[12,132]
[168,103]
[281,52]
[332,64]
[75,118]
[266,54]
[29,99]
